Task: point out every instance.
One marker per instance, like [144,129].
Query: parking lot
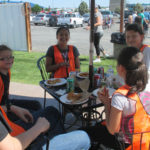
[43,37]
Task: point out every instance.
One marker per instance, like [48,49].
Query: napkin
[60,92]
[84,84]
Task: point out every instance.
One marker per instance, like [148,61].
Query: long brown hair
[136,72]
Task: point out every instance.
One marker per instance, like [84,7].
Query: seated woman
[125,113]
[62,58]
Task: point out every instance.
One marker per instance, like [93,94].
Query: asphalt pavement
[43,37]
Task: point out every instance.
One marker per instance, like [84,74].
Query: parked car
[72,20]
[31,17]
[39,19]
[116,15]
[86,17]
[53,21]
[46,19]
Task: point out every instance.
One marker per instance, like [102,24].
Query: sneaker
[97,60]
[107,55]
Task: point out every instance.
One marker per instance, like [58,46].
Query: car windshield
[48,15]
[70,15]
[86,15]
[40,16]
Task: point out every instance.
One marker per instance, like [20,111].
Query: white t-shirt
[134,16]
[126,105]
[146,59]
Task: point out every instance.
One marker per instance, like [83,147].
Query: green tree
[138,7]
[46,9]
[83,8]
[76,10]
[36,9]
[117,10]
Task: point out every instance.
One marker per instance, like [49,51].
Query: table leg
[44,99]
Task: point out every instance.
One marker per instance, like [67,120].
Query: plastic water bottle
[109,78]
[110,71]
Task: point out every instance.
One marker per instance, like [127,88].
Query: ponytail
[136,72]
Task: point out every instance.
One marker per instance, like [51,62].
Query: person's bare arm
[27,137]
[113,120]
[10,143]
[98,21]
[23,140]
[113,115]
[53,67]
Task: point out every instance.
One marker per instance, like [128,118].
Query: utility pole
[91,51]
[121,15]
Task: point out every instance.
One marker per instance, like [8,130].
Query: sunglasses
[7,58]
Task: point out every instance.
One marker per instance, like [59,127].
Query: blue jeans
[75,140]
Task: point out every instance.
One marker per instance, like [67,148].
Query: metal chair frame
[44,74]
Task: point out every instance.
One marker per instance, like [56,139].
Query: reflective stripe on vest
[143,46]
[61,72]
[16,129]
[140,121]
[2,86]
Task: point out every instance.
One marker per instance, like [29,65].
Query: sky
[75,3]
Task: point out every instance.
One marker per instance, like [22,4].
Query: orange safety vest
[143,46]
[16,130]
[136,127]
[62,71]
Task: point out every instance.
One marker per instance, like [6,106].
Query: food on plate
[84,74]
[54,81]
[74,96]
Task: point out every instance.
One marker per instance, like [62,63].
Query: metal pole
[121,15]
[91,51]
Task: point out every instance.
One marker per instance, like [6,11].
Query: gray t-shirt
[98,28]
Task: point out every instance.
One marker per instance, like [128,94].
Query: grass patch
[25,69]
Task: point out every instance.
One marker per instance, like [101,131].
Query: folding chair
[45,75]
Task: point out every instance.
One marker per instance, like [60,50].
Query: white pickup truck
[72,20]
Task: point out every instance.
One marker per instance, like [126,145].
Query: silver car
[39,19]
[86,17]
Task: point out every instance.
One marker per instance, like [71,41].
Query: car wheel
[74,25]
[35,24]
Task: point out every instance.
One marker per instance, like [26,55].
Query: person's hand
[104,96]
[42,124]
[87,28]
[23,114]
[65,64]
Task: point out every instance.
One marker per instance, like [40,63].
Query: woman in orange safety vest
[127,112]
[61,59]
